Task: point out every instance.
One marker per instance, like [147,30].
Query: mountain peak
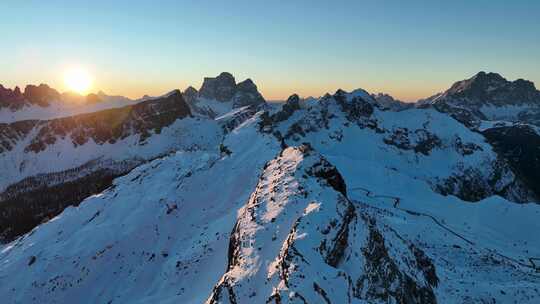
[221,87]
[492,87]
[224,88]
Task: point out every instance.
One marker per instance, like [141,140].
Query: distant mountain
[390,103]
[33,95]
[489,96]
[219,95]
[506,112]
[42,103]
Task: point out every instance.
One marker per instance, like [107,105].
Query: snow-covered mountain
[331,200]
[506,112]
[489,96]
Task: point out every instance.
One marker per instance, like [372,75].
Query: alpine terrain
[217,196]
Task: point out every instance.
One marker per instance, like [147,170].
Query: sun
[78,80]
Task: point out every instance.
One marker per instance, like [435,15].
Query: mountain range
[217,196]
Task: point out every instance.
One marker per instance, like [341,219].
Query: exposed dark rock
[383,281]
[12,133]
[190,94]
[473,185]
[40,95]
[330,174]
[222,87]
[269,121]
[421,141]
[466,148]
[427,142]
[520,147]
[493,88]
[387,102]
[247,94]
[12,99]
[356,108]
[32,260]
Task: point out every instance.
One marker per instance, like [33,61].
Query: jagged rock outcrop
[221,88]
[299,239]
[224,88]
[247,94]
[190,94]
[388,102]
[12,99]
[40,95]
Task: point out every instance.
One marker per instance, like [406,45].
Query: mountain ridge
[337,199]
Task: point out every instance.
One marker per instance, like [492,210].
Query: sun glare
[78,80]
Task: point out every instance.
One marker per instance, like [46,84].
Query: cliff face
[224,91]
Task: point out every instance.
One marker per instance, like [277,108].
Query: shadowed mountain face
[38,95]
[224,88]
[489,96]
[492,88]
[106,126]
[520,146]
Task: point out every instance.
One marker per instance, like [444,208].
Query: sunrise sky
[409,49]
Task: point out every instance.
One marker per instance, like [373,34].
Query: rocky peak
[493,88]
[224,88]
[247,86]
[40,95]
[247,94]
[221,88]
[11,98]
[294,101]
[190,94]
[388,102]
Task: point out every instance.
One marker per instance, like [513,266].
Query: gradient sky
[410,49]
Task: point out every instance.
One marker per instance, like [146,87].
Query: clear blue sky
[410,49]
